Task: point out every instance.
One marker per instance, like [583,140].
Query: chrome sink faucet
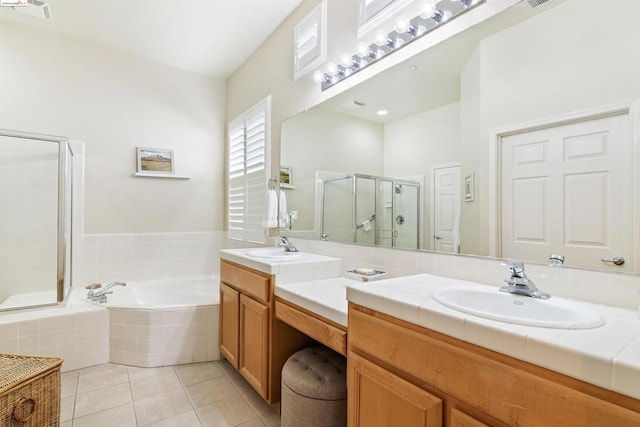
[518,283]
[101,294]
[286,244]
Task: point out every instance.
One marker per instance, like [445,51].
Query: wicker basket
[29,390]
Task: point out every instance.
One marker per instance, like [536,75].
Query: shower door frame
[393,181]
[64,151]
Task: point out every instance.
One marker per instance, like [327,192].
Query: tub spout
[99,294]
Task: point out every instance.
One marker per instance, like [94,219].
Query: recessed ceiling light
[382,112]
[413,67]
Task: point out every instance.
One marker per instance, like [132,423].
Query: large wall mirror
[516,138]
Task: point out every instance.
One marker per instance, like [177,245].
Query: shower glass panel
[365,210]
[337,209]
[371,210]
[406,214]
[384,211]
[34,197]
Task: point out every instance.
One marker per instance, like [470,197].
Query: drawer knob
[24,409]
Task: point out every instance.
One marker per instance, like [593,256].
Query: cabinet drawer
[321,330]
[248,281]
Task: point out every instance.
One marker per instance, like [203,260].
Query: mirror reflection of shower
[372,210]
[35,219]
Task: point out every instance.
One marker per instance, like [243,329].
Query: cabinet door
[229,305]
[460,419]
[378,398]
[254,343]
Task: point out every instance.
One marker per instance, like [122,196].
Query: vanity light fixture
[431,15]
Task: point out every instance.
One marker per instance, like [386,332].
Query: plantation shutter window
[310,41]
[248,173]
[372,13]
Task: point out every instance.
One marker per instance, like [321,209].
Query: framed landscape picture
[155,160]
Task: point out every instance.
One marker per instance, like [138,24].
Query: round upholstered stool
[314,389]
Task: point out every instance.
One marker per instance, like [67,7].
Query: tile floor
[199,394]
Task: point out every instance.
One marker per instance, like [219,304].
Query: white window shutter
[372,13]
[248,173]
[310,41]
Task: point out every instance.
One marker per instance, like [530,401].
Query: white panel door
[446,209]
[567,190]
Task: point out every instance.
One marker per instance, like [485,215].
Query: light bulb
[403,24]
[332,69]
[381,38]
[346,60]
[362,49]
[445,16]
[427,9]
[318,76]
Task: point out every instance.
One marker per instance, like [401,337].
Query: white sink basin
[275,254]
[495,305]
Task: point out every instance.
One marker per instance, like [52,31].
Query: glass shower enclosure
[35,219]
[371,210]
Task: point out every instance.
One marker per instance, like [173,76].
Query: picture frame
[154,161]
[468,188]
[286,177]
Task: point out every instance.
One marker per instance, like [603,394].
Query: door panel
[446,209]
[567,190]
[254,345]
[378,398]
[229,304]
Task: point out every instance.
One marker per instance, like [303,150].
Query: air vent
[36,9]
[353,105]
[536,3]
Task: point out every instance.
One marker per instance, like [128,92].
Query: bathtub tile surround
[80,336]
[151,338]
[117,257]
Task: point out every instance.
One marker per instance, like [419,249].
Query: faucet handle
[515,267]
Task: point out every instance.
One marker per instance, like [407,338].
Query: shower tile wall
[28,215]
[123,257]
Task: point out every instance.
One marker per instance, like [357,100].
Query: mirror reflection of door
[567,190]
[445,209]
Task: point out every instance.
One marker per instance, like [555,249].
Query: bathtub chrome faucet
[518,282]
[99,294]
[286,244]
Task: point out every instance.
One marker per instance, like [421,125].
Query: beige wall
[414,145]
[114,102]
[320,140]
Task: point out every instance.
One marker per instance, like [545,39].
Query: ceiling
[212,37]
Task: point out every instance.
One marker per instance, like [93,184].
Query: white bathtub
[179,292]
[163,322]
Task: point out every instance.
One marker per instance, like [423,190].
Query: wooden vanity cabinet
[401,371]
[250,337]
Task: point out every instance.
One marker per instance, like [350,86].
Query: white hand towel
[283,215]
[271,210]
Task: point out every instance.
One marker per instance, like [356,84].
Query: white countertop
[327,298]
[303,267]
[608,356]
